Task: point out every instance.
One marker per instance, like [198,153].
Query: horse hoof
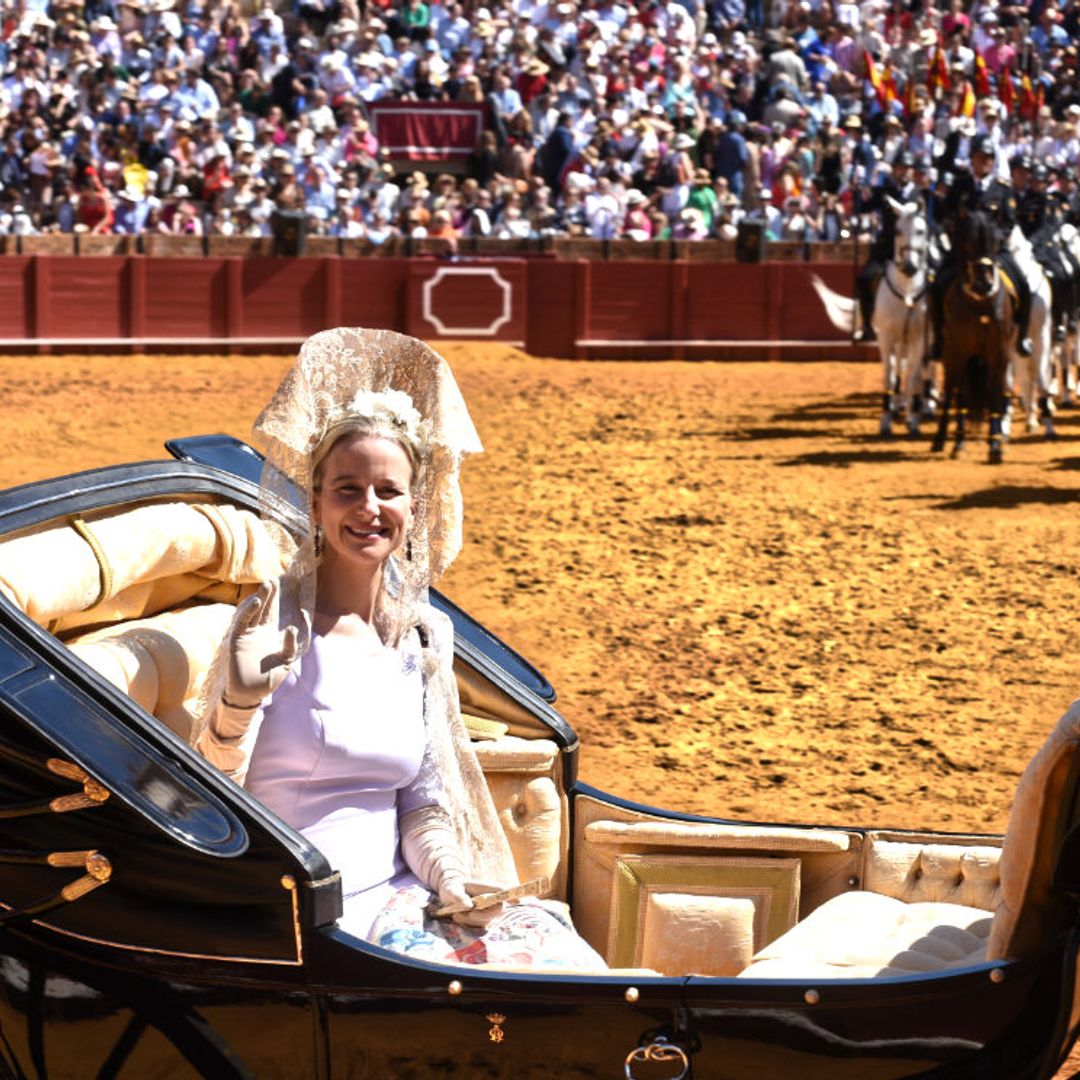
[1050,433]
[956,450]
[1032,425]
[996,453]
[937,446]
[913,431]
[885,426]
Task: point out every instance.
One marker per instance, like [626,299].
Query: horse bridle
[968,288]
[920,264]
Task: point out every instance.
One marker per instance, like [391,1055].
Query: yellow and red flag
[889,82]
[874,77]
[982,76]
[937,75]
[1006,90]
[1027,98]
[910,101]
[967,103]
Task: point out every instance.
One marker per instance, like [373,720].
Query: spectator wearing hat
[703,198]
[765,213]
[345,219]
[129,217]
[689,225]
[637,225]
[267,31]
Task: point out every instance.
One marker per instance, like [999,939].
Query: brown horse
[978,325]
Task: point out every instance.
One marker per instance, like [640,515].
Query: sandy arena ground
[749,604]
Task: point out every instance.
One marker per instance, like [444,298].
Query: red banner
[427,130]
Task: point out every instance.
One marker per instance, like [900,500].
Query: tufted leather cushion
[521,774]
[950,873]
[862,934]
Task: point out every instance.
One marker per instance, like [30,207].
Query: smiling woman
[337,691]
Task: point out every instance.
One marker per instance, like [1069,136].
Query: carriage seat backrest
[145,595]
[918,872]
[1030,911]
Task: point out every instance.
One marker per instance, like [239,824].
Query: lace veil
[333,367]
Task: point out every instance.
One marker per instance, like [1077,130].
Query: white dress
[340,755]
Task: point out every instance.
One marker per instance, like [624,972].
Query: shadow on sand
[858,406]
[1010,497]
[844,459]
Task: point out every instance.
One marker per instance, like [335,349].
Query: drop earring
[408,550]
[320,542]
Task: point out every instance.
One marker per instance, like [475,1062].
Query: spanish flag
[889,82]
[937,76]
[1006,89]
[1028,104]
[910,101]
[982,76]
[874,76]
[967,105]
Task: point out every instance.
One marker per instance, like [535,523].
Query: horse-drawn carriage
[156,920]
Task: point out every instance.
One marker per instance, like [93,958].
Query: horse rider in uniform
[899,186]
[973,190]
[1039,215]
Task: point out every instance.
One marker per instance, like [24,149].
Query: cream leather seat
[986,909]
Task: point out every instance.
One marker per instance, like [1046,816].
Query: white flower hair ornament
[393,406]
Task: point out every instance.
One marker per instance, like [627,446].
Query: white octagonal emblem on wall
[444,273]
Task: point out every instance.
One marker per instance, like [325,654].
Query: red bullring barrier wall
[573,308]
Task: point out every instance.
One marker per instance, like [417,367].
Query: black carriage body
[211,950]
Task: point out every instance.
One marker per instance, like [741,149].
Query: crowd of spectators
[606,118]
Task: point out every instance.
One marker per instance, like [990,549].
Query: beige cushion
[1030,913]
[951,873]
[769,886]
[153,557]
[862,934]
[161,662]
[521,776]
[687,933]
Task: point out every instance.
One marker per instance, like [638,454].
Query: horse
[1034,373]
[978,327]
[899,320]
[1059,255]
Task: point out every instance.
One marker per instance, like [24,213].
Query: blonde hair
[368,427]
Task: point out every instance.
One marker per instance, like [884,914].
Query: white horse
[899,319]
[1067,352]
[1034,374]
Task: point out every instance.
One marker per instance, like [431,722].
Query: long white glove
[260,653]
[432,853]
[259,658]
